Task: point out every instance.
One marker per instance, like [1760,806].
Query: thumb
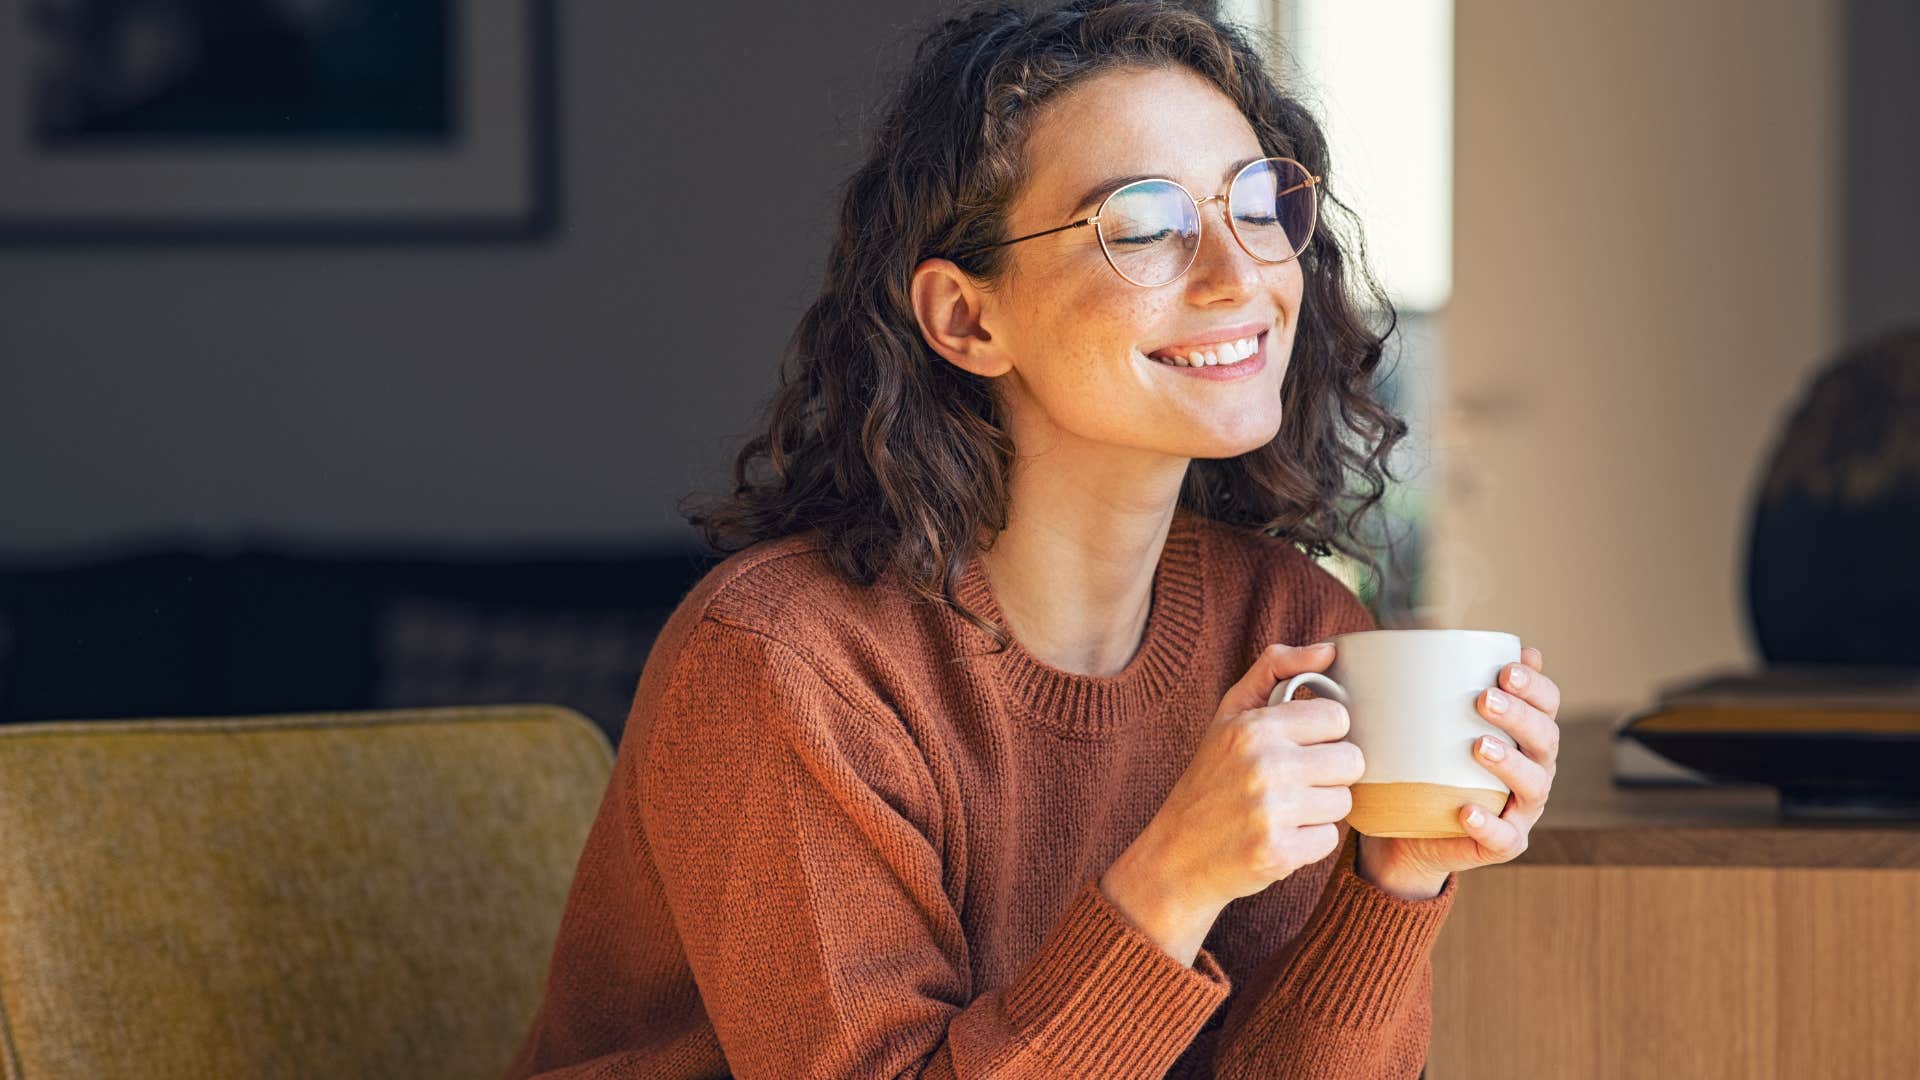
[1275,664]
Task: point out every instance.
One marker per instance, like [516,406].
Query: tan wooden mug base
[1417,810]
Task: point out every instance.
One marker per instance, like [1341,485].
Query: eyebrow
[1106,187]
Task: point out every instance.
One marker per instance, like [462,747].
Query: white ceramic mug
[1411,698]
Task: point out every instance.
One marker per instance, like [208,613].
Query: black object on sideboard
[1831,574]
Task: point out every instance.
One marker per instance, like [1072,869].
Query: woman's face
[1070,340]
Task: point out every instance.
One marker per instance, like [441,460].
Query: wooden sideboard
[1664,932]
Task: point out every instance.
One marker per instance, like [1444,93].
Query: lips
[1223,368]
[1224,353]
[1221,345]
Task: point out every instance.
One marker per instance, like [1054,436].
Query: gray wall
[574,389]
[1881,268]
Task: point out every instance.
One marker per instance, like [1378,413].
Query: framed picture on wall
[276,120]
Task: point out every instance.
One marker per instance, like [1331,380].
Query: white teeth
[1231,352]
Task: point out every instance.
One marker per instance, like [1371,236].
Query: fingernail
[1474,815]
[1492,749]
[1518,677]
[1496,701]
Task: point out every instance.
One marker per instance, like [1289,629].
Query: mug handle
[1320,682]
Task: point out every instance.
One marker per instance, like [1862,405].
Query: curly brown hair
[903,460]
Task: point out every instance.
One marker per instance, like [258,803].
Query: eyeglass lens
[1151,228]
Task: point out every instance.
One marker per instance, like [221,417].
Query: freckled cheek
[1292,290]
[1100,336]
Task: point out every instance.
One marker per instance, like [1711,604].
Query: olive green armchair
[358,894]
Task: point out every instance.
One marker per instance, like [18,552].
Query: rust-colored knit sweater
[841,839]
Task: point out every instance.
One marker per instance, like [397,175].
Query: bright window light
[1379,75]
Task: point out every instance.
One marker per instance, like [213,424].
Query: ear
[951,309]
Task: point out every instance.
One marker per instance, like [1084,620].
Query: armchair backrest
[320,894]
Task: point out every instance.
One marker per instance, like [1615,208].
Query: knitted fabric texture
[844,838]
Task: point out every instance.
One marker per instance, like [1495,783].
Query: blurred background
[357,355]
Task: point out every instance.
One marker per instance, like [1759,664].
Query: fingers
[1332,763]
[1316,805]
[1499,836]
[1275,664]
[1305,739]
[1527,779]
[1535,732]
[1529,683]
[1286,850]
[1305,721]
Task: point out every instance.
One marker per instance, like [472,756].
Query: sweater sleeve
[797,836]
[1349,995]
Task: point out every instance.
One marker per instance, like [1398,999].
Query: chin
[1223,447]
[1250,434]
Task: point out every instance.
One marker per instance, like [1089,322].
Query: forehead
[1165,122]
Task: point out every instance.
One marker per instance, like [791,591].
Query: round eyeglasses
[1149,229]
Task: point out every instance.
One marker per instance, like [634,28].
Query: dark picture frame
[235,122]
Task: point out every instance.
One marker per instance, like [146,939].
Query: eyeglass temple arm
[1031,236]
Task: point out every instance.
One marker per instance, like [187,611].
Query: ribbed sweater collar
[1090,705]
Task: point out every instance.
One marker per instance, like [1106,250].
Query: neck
[1073,571]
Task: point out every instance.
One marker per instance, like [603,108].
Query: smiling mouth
[1223,354]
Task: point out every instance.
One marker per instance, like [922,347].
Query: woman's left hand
[1416,867]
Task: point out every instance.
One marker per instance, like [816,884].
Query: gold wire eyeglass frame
[1199,206]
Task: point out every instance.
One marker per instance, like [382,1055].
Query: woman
[964,765]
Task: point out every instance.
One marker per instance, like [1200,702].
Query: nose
[1221,264]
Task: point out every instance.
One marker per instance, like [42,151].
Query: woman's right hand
[1257,802]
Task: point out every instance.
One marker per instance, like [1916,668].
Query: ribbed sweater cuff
[1101,999]
[1362,948]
